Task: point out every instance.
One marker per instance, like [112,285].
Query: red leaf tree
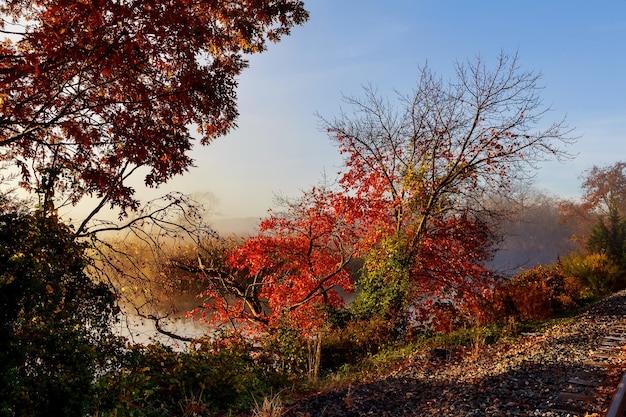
[95,92]
[92,91]
[294,268]
[429,163]
[410,202]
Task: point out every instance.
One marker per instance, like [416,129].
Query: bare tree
[450,141]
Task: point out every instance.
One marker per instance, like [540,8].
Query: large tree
[430,160]
[93,91]
[409,203]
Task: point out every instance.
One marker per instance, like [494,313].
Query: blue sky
[578,46]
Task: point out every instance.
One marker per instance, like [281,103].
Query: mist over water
[534,235]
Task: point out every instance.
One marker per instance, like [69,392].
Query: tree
[604,189]
[609,238]
[54,320]
[95,92]
[604,195]
[92,92]
[430,160]
[292,269]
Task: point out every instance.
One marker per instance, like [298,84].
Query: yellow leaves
[7,280]
[18,256]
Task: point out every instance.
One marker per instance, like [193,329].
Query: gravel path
[521,379]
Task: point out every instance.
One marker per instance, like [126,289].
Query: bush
[596,271]
[288,350]
[354,341]
[538,293]
[218,377]
[54,320]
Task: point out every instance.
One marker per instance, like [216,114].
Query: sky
[579,47]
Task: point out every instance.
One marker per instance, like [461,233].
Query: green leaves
[219,376]
[54,319]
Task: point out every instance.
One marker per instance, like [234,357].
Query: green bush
[288,349]
[215,378]
[54,320]
[596,271]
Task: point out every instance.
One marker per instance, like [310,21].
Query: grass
[394,355]
[272,406]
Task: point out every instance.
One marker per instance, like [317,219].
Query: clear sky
[578,46]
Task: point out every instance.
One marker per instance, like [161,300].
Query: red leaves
[123,81]
[300,259]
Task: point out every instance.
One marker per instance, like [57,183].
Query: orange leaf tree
[92,91]
[604,195]
[429,162]
[293,269]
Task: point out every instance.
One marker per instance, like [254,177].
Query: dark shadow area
[530,390]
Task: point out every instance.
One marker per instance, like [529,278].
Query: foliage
[538,293]
[604,195]
[92,91]
[383,283]
[424,165]
[596,271]
[407,202]
[288,348]
[218,376]
[54,319]
[610,238]
[291,270]
[601,229]
[605,188]
[353,342]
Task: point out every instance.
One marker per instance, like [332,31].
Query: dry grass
[271,406]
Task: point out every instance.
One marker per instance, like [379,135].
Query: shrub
[223,376]
[288,350]
[537,293]
[54,319]
[357,339]
[596,271]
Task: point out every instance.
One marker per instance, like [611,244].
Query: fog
[533,234]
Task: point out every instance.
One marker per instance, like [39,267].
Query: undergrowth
[471,340]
